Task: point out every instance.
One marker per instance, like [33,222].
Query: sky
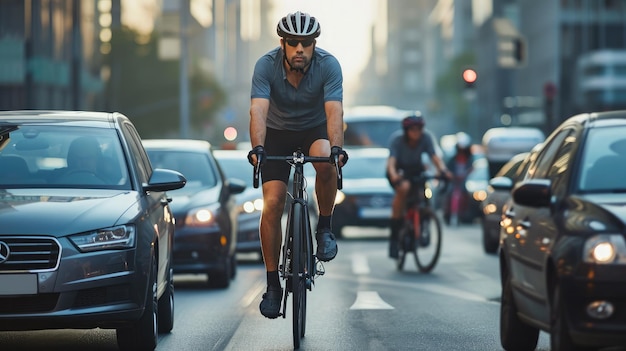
[346,29]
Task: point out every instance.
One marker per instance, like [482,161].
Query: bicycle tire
[298,278]
[428,247]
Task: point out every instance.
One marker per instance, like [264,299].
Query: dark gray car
[87,233]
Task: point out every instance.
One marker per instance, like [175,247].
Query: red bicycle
[421,233]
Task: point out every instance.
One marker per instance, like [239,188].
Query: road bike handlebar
[299,157]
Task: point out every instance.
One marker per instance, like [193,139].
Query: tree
[450,88]
[146,89]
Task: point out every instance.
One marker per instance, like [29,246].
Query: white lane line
[359,264]
[369,300]
[252,294]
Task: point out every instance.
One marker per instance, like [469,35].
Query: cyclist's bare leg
[325,190]
[325,179]
[397,213]
[274,194]
[399,199]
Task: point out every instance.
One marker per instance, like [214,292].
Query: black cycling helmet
[298,25]
[414,119]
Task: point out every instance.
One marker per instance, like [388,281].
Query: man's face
[414,132]
[298,51]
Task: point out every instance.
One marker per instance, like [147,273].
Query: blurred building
[539,88]
[50,53]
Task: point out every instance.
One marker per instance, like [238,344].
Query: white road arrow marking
[370,300]
[359,264]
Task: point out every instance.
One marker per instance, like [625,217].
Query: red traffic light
[469,76]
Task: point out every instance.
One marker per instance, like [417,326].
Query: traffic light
[469,77]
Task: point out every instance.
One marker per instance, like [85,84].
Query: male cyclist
[404,162]
[296,102]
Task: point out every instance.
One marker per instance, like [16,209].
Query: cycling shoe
[270,306]
[326,245]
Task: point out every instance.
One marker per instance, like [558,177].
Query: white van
[502,143]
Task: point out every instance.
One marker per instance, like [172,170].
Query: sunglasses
[305,43]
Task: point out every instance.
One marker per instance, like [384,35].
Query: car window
[370,133]
[603,162]
[544,159]
[365,167]
[195,166]
[558,170]
[236,168]
[141,160]
[63,157]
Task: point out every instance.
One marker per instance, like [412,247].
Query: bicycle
[299,266]
[421,233]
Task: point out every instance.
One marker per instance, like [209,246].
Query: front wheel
[143,335]
[428,242]
[299,262]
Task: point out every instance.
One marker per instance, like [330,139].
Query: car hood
[59,212]
[249,194]
[367,185]
[608,209]
[191,198]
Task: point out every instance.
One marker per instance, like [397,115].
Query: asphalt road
[362,303]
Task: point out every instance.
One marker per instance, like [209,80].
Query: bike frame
[298,264]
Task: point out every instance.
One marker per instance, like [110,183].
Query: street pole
[184,76]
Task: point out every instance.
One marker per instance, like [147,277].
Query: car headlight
[605,249]
[252,205]
[339,197]
[122,237]
[201,216]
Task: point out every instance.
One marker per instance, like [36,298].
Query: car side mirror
[533,193]
[501,183]
[236,185]
[164,180]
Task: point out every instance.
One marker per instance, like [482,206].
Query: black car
[366,197]
[87,232]
[563,252]
[235,164]
[205,209]
[498,192]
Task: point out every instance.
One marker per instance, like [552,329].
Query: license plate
[18,284]
[370,212]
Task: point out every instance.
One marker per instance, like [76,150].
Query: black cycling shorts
[284,143]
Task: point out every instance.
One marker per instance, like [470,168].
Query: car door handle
[524,224]
[166,201]
[509,213]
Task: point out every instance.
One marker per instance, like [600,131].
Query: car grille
[368,200]
[28,304]
[31,254]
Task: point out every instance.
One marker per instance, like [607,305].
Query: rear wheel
[143,334]
[514,334]
[428,245]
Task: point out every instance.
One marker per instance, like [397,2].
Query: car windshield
[195,166]
[370,133]
[56,156]
[604,161]
[363,167]
[237,168]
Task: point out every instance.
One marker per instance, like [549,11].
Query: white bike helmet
[298,25]
[463,140]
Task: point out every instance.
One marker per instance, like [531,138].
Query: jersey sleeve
[333,80]
[261,78]
[429,146]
